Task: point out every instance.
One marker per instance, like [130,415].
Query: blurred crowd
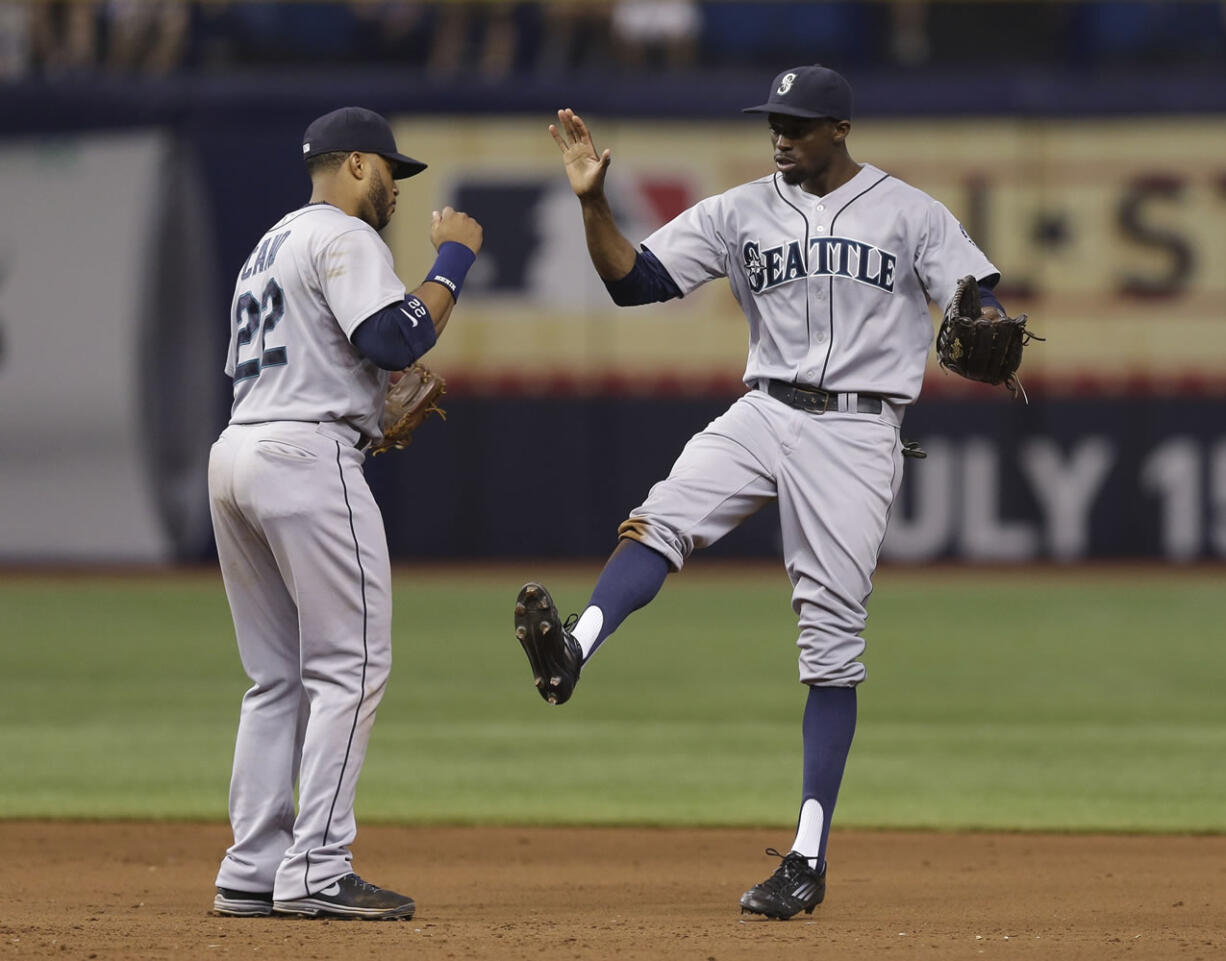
[499,38]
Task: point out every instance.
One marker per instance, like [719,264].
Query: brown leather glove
[411,398]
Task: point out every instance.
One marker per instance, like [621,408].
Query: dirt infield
[134,891]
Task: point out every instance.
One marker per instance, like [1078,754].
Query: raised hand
[448,224]
[584,167]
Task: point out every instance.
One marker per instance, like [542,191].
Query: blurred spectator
[575,35]
[259,34]
[909,43]
[145,36]
[476,38]
[15,40]
[495,39]
[64,36]
[656,33]
[395,31]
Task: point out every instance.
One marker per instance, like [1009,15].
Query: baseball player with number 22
[318,323]
[834,263]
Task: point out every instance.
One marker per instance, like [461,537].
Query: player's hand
[584,167]
[454,225]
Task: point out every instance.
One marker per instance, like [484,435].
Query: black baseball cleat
[792,888]
[350,898]
[242,904]
[554,654]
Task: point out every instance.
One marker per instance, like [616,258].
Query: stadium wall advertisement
[1061,480]
[1108,232]
[106,409]
[117,255]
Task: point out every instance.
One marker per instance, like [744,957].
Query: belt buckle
[812,396]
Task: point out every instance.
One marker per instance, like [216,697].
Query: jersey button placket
[819,311]
[819,286]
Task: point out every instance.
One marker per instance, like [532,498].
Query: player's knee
[661,538]
[827,662]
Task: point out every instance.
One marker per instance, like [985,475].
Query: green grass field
[1059,700]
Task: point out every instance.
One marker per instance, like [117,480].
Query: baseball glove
[978,347]
[411,398]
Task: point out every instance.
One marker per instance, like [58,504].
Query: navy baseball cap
[813,91]
[356,128]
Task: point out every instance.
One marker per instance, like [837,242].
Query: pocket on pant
[283,449]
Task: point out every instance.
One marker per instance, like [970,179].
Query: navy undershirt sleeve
[397,335]
[647,283]
[988,299]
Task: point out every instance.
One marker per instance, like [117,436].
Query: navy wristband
[451,266]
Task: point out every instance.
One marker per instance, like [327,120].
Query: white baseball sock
[588,629]
[809,831]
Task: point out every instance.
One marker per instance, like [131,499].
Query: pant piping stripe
[365,659]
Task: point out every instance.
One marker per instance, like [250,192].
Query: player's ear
[355,163]
[841,129]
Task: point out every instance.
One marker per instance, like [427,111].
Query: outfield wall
[128,209]
[1067,480]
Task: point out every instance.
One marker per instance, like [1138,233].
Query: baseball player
[319,319]
[833,263]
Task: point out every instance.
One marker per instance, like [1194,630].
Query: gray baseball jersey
[308,284]
[302,547]
[835,290]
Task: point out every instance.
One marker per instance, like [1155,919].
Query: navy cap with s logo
[813,91]
[356,128]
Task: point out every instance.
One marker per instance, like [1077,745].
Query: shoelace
[793,868]
[362,883]
[571,621]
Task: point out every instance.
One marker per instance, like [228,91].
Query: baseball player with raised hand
[834,263]
[319,321]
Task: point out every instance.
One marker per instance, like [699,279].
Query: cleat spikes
[553,654]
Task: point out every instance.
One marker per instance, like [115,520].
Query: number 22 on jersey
[255,317]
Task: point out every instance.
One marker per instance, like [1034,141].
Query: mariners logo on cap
[786,83]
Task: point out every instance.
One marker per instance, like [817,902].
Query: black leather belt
[813,400]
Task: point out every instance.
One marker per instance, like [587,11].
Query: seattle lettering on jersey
[262,257]
[828,257]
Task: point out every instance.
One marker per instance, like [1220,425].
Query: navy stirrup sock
[632,576]
[829,724]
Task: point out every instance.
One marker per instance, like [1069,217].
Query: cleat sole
[550,652]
